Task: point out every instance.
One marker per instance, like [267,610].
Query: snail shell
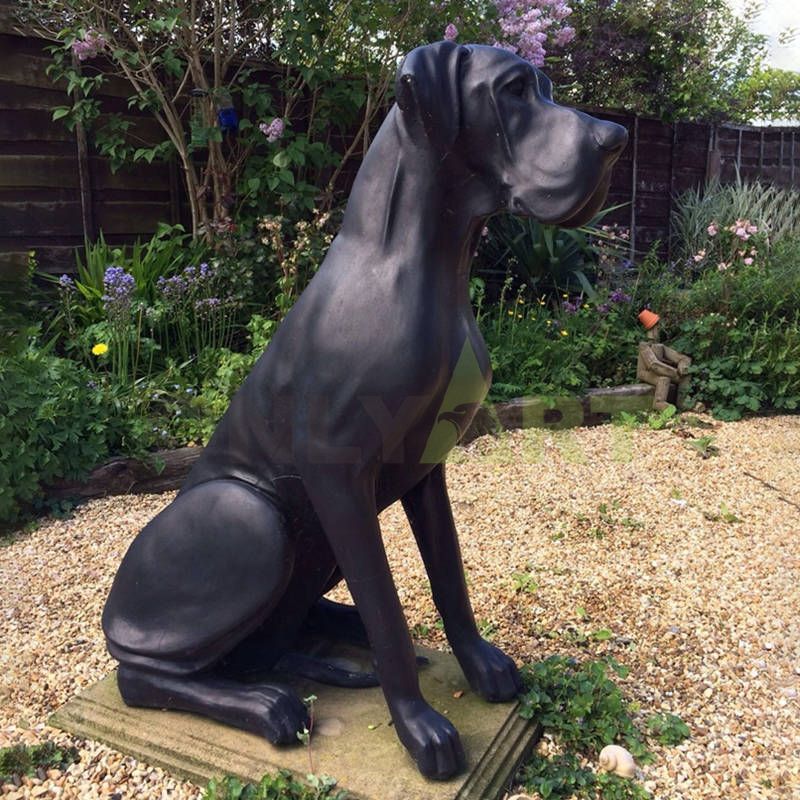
[614,758]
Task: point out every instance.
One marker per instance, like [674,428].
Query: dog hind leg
[197,580]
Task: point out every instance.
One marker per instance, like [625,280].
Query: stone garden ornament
[372,377]
[661,366]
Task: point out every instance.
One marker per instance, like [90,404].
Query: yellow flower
[510,313]
[541,302]
[100,349]
[564,333]
[565,296]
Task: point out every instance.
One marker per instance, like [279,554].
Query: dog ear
[428,92]
[545,85]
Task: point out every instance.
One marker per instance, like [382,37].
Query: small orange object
[649,319]
[459,693]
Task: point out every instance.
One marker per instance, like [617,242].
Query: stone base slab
[353,740]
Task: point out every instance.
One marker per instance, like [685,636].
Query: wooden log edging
[167,469]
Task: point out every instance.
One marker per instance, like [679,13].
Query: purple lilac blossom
[450,32]
[527,24]
[88,47]
[273,131]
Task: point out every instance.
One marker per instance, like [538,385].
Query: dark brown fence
[663,160]
[54,189]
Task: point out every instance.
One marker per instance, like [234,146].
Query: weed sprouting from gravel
[282,785]
[582,710]
[21,760]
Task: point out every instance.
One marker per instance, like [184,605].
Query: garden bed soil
[691,563]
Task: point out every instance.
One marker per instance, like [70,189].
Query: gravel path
[692,563]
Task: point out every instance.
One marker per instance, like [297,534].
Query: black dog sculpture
[369,381]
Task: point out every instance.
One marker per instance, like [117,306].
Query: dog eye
[517,87]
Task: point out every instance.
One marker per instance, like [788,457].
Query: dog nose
[610,136]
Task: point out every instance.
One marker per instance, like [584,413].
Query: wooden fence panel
[54,189]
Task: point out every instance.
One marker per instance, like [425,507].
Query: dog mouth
[569,214]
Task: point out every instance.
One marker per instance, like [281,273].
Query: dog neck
[414,207]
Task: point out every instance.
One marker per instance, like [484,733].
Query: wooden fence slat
[48,171]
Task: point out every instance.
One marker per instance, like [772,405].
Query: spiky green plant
[775,210]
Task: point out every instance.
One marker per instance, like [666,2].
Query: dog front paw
[430,739]
[490,672]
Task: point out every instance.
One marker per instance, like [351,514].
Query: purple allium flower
[603,308]
[570,308]
[172,289]
[273,131]
[66,283]
[450,32]
[618,296]
[119,288]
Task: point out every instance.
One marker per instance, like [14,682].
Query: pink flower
[748,261]
[712,229]
[742,234]
[273,131]
[722,266]
[752,228]
[450,32]
[564,36]
[88,47]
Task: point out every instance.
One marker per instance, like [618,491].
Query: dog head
[495,113]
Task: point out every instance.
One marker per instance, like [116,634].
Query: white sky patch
[776,17]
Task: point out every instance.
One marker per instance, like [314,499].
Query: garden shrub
[741,326]
[220,372]
[538,350]
[55,422]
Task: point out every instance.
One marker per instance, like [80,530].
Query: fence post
[674,147]
[793,133]
[634,177]
[84,174]
[739,153]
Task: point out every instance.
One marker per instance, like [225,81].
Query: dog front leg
[345,505]
[489,671]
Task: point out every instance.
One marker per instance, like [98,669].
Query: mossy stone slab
[353,740]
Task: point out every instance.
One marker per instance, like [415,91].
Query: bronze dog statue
[368,382]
